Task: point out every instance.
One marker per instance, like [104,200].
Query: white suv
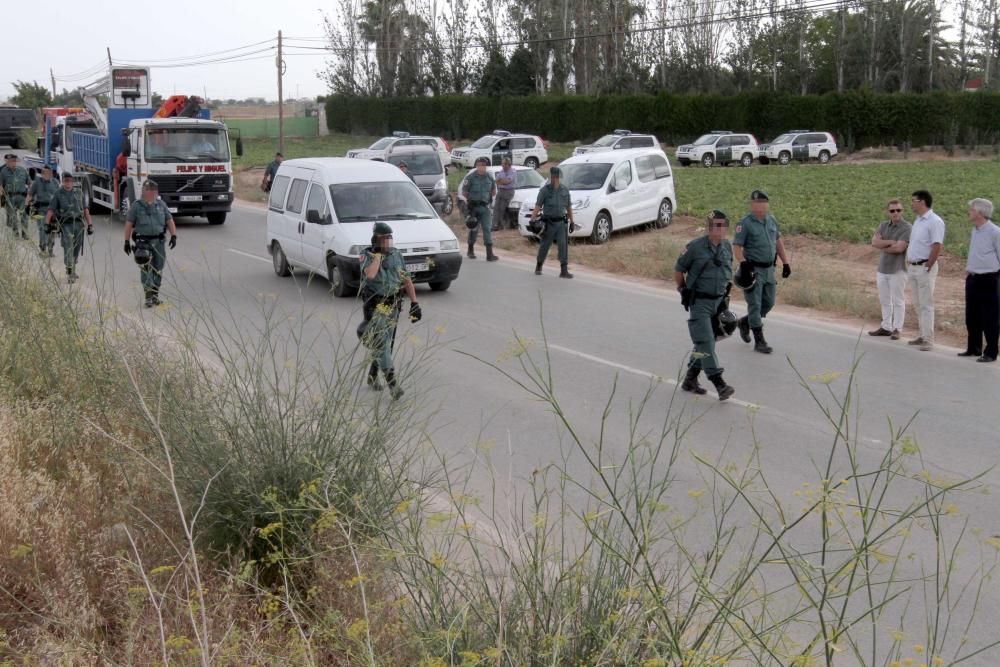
[619,140]
[720,146]
[522,149]
[801,145]
[381,149]
[614,190]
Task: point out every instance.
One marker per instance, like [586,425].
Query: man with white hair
[982,284]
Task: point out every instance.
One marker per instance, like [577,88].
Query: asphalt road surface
[601,331]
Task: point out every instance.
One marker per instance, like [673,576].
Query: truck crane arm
[90,94]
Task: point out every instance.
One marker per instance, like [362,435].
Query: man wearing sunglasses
[892,237]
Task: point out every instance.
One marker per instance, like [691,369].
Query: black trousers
[982,313]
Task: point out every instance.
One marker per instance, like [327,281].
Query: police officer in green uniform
[703,273]
[15,181]
[40,195]
[556,214]
[147,223]
[270,172]
[383,278]
[479,189]
[66,213]
[758,242]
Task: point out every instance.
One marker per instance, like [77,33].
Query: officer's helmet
[142,254]
[745,277]
[725,324]
[471,220]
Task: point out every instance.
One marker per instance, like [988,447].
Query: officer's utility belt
[22,193]
[762,265]
[41,204]
[69,221]
[553,218]
[372,300]
[478,203]
[158,237]
[923,261]
[705,295]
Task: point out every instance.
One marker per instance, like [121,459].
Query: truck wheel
[338,284]
[280,262]
[216,217]
[440,285]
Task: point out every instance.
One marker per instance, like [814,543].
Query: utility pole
[53,77]
[281,100]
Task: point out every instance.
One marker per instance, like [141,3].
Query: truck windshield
[364,202]
[186,144]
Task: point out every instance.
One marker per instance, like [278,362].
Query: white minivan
[321,212]
[615,190]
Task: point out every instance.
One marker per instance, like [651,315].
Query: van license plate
[172,210]
[417,268]
[190,197]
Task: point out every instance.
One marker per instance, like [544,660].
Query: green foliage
[30,95]
[858,118]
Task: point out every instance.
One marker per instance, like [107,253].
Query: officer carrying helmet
[14,182]
[383,278]
[703,273]
[556,212]
[479,189]
[146,224]
[43,190]
[67,213]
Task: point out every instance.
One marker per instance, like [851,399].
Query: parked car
[526,190]
[424,166]
[381,149]
[618,140]
[722,147]
[801,145]
[615,190]
[321,212]
[522,149]
[14,122]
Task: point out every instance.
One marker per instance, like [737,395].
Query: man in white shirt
[982,284]
[926,239]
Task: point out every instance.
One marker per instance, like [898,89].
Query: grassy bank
[196,489]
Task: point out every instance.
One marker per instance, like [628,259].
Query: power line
[241,57]
[199,56]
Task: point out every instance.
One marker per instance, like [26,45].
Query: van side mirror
[312,217]
[126,147]
[239,147]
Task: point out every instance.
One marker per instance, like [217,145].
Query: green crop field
[842,201]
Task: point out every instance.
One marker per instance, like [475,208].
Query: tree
[493,81]
[31,95]
[521,69]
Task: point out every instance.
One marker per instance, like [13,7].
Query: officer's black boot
[691,381]
[564,271]
[724,390]
[759,344]
[538,268]
[156,296]
[149,298]
[490,257]
[394,389]
[373,382]
[472,251]
[744,324]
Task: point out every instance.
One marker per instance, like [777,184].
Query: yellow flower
[438,560]
[994,542]
[654,662]
[433,662]
[918,648]
[696,493]
[161,569]
[897,635]
[358,629]
[402,507]
[20,551]
[938,660]
[493,653]
[825,378]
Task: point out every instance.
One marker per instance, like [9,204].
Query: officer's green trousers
[485,216]
[380,335]
[16,214]
[71,234]
[554,231]
[46,239]
[760,299]
[700,329]
[152,273]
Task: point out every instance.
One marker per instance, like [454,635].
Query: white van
[321,212]
[615,190]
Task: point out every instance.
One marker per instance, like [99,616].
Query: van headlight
[449,245]
[441,185]
[581,203]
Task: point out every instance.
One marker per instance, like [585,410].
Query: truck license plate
[190,197]
[172,210]
[417,268]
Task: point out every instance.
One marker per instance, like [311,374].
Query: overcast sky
[76,34]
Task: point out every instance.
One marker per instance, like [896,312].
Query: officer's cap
[67,176]
[150,184]
[9,156]
[46,167]
[381,229]
[716,214]
[402,163]
[483,160]
[758,195]
[555,171]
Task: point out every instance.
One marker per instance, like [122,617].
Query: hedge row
[859,119]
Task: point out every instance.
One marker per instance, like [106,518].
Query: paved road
[600,329]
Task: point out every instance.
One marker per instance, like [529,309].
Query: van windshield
[606,140]
[528,178]
[707,139]
[585,176]
[364,202]
[783,139]
[484,142]
[380,144]
[420,165]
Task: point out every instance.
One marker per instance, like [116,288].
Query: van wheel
[531,163]
[824,157]
[602,229]
[707,160]
[338,285]
[280,262]
[784,157]
[448,205]
[440,285]
[665,214]
[746,160]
